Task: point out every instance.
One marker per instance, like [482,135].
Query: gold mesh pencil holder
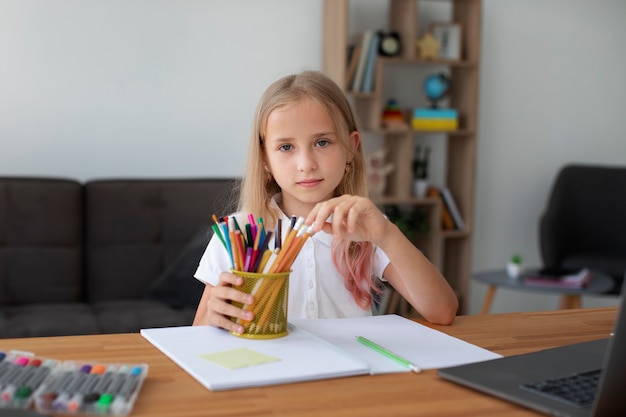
[270,307]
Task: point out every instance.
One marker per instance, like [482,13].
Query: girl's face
[304,154]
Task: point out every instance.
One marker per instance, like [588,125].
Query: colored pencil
[248,248]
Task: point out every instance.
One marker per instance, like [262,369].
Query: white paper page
[301,357]
[421,345]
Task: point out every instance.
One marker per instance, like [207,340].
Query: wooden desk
[170,391]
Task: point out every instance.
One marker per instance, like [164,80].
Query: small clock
[389,44]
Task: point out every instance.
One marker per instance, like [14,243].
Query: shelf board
[454,234]
[458,132]
[391,132]
[428,62]
[425,201]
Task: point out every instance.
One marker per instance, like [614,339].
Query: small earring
[348,167]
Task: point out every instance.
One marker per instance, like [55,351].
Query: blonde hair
[352,259]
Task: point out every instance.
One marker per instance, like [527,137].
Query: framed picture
[449,35]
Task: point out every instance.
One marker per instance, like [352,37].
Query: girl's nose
[306,161]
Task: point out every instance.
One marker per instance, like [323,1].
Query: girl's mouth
[309,183]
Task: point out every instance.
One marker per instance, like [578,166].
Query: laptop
[541,380]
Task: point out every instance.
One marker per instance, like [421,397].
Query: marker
[25,372]
[126,390]
[103,383]
[389,354]
[26,389]
[77,381]
[15,374]
[6,368]
[76,401]
[116,383]
[60,382]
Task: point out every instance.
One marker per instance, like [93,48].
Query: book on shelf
[428,113]
[370,65]
[447,222]
[434,124]
[435,119]
[452,207]
[354,54]
[357,81]
[570,279]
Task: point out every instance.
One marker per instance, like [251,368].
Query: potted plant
[515,266]
[412,223]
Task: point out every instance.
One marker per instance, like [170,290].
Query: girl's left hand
[354,218]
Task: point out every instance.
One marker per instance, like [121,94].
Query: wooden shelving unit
[450,251]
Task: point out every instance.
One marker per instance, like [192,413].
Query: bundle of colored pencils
[249,250]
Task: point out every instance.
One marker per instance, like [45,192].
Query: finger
[230,311]
[223,294]
[318,217]
[227,324]
[228,279]
[221,311]
[311,219]
[340,218]
[353,218]
[336,222]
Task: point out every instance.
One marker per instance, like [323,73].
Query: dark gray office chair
[584,223]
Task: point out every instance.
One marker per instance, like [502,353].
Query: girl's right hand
[215,308]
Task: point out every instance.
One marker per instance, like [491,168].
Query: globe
[436,87]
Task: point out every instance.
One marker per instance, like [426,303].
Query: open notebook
[313,349]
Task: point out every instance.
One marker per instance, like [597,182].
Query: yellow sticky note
[238,358]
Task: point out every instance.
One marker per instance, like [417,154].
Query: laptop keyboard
[576,389]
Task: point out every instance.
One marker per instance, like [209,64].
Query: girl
[305,159]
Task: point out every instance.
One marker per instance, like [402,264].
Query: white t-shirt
[316,288]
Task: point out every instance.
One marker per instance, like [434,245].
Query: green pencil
[389,354]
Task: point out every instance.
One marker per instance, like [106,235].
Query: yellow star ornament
[428,47]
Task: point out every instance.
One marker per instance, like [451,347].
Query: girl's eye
[285,147]
[322,143]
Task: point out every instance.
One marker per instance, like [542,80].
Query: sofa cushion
[133,315]
[46,319]
[176,286]
[136,228]
[41,235]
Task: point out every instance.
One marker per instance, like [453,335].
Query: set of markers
[20,375]
[91,388]
[248,248]
[69,387]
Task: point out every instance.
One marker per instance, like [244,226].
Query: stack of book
[564,279]
[435,119]
[362,57]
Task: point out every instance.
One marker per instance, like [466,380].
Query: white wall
[552,92]
[100,88]
[161,88]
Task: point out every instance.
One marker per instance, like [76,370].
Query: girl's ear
[355,140]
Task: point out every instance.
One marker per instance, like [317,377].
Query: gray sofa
[104,256]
